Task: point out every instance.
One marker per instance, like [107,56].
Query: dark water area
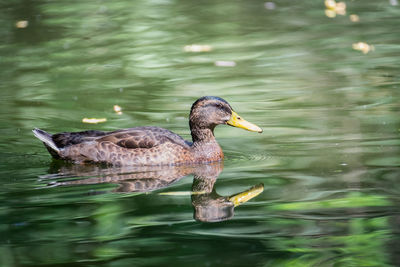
[319,187]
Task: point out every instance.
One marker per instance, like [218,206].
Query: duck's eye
[218,105]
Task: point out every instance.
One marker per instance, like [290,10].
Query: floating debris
[363,47]
[354,18]
[341,8]
[330,4]
[93,120]
[118,109]
[225,63]
[197,48]
[270,5]
[393,2]
[333,8]
[21,24]
[330,13]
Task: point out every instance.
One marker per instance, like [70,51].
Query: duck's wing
[67,138]
[142,137]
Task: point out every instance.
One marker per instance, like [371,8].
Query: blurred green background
[329,156]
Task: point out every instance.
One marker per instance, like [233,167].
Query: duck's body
[149,145]
[133,146]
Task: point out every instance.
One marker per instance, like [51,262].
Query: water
[328,159]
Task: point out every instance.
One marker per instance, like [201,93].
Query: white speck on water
[225,63]
[270,5]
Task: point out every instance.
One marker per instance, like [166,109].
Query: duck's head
[210,111]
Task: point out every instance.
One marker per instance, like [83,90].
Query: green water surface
[329,156]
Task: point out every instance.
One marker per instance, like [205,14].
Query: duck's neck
[204,145]
[202,134]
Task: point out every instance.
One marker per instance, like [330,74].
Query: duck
[150,145]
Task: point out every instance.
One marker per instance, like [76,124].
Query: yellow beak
[237,121]
[245,196]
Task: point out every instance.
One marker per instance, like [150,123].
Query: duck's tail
[46,138]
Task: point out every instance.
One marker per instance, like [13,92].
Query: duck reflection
[208,205]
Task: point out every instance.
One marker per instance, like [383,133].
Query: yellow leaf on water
[340,8]
[354,18]
[118,109]
[330,13]
[22,24]
[333,8]
[330,4]
[363,47]
[93,120]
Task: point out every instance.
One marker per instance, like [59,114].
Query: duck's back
[143,137]
[138,137]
